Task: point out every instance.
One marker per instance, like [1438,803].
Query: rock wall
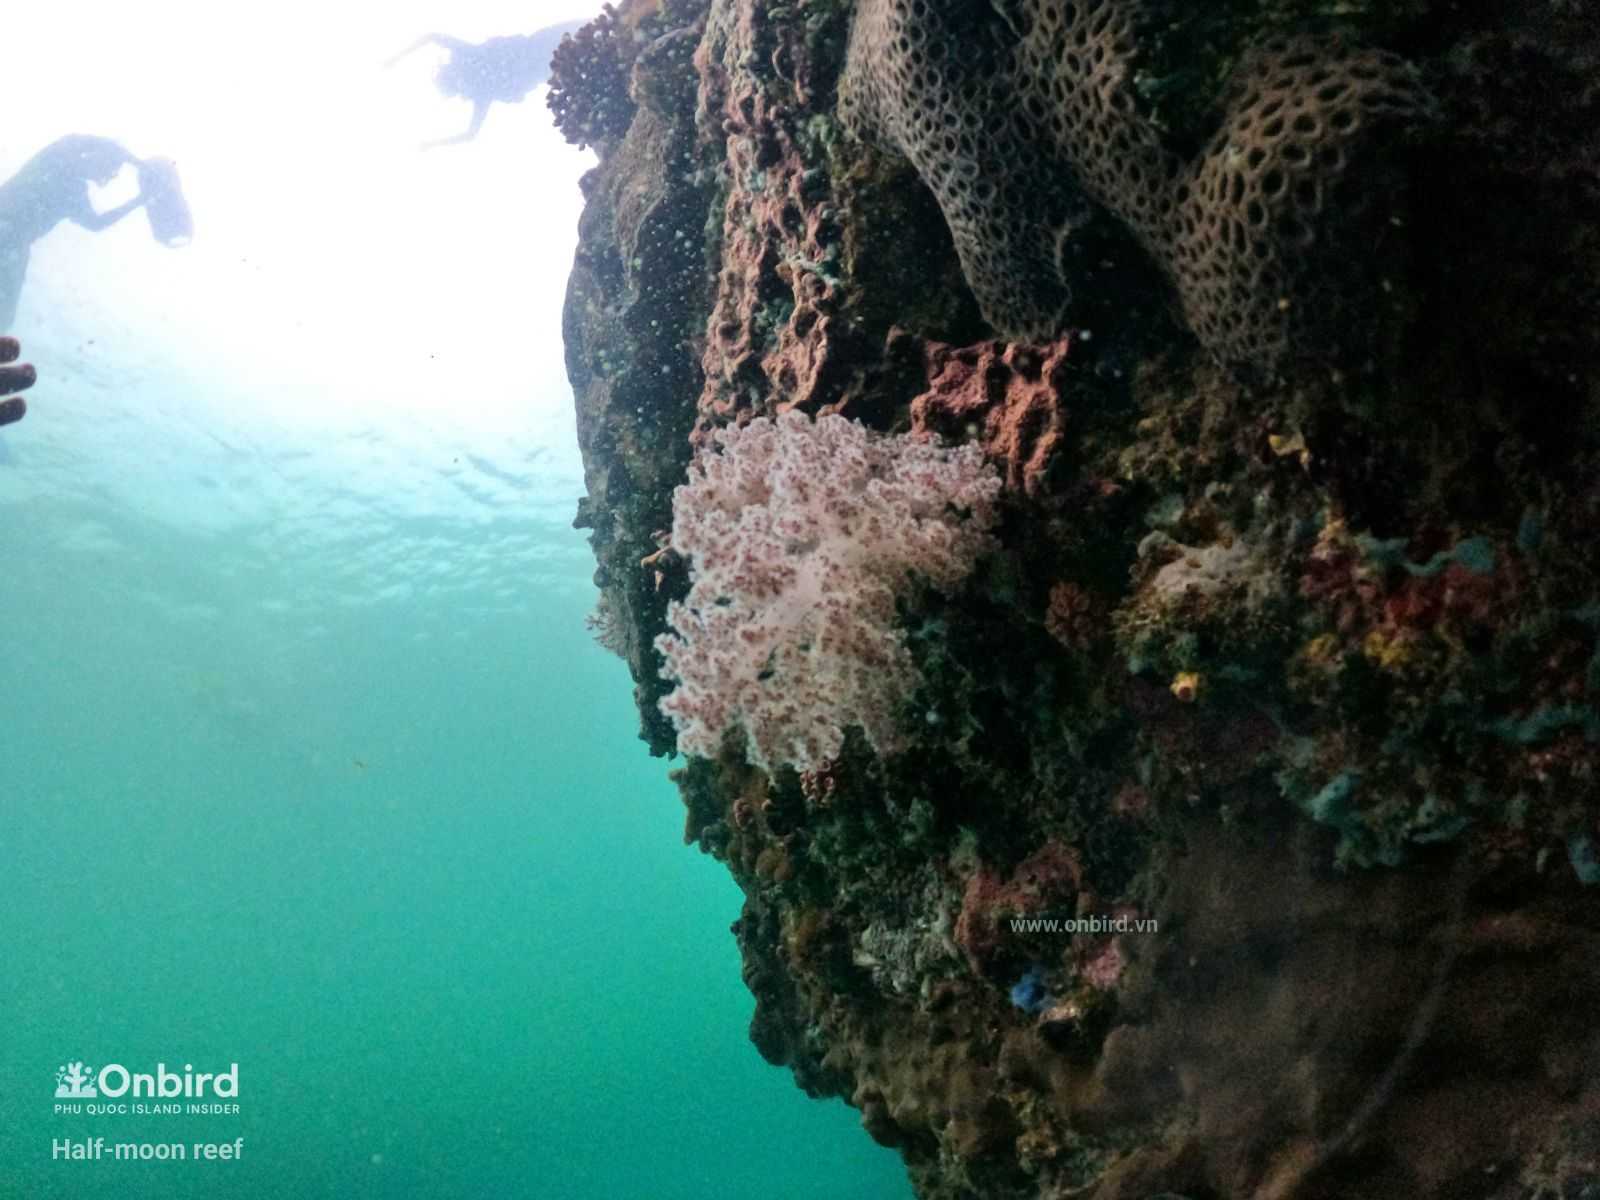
[1288,667]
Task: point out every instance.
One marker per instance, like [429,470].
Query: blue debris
[1475,554]
[1580,852]
[1029,992]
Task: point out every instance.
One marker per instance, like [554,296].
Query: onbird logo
[75,1082]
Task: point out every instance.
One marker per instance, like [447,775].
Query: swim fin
[164,204]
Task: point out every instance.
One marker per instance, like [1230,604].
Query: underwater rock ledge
[1279,323]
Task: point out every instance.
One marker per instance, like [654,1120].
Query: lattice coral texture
[1275,236]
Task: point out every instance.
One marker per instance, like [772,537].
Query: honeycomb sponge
[934,81]
[1016,111]
[1075,78]
[1283,228]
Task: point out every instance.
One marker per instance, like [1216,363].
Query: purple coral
[801,536]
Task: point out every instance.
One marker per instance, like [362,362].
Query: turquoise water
[307,762]
[408,869]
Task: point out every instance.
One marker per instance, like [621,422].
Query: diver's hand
[14,377]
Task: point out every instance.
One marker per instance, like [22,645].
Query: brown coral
[775,340]
[1006,395]
[1072,618]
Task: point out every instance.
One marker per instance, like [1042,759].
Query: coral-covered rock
[1284,681]
[636,292]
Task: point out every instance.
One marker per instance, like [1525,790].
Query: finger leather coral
[801,537]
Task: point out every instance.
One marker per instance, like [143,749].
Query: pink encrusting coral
[801,535]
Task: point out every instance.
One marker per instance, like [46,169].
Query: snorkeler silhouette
[503,68]
[53,186]
[14,377]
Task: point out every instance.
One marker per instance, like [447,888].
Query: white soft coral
[800,537]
